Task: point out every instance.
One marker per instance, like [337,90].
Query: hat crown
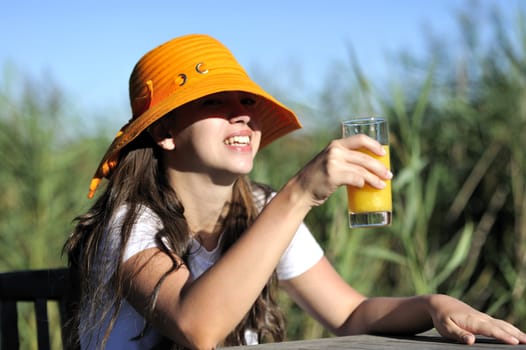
[177,65]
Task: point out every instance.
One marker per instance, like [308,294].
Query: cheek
[182,139]
[194,133]
[256,141]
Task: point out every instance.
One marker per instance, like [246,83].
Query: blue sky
[88,48]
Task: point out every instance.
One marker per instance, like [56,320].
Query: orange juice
[369,199]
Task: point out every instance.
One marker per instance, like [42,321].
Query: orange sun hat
[182,70]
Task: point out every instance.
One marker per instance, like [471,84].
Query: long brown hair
[140,181]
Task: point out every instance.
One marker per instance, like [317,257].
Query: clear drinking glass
[369,206]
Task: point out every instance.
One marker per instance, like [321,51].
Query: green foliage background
[458,146]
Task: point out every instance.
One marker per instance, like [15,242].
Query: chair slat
[42,322]
[9,325]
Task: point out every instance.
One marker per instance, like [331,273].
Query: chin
[244,170]
[241,166]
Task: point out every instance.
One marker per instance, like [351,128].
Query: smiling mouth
[237,141]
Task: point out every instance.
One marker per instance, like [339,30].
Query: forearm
[223,295]
[390,315]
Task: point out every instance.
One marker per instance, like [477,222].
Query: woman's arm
[344,311]
[202,313]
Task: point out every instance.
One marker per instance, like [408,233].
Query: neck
[205,202]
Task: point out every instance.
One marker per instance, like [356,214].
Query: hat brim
[274,119]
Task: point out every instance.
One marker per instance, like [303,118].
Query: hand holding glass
[369,206]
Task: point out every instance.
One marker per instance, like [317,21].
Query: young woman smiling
[181,249]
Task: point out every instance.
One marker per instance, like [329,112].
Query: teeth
[237,140]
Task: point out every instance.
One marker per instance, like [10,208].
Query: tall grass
[458,127]
[45,162]
[458,148]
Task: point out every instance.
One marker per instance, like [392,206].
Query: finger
[363,141]
[494,328]
[364,151]
[359,177]
[502,331]
[370,165]
[468,339]
[514,331]
[451,330]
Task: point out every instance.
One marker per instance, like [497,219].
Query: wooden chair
[39,287]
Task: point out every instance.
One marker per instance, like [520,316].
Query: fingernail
[389,175]
[467,338]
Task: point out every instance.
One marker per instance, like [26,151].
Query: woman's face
[217,134]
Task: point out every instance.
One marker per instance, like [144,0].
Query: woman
[182,249]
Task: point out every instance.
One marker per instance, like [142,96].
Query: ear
[162,135]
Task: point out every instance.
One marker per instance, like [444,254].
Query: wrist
[434,304]
[433,300]
[297,195]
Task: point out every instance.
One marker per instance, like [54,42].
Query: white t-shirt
[302,253]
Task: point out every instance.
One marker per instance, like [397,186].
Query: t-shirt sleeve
[302,253]
[142,235]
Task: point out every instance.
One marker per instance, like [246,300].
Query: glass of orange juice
[369,206]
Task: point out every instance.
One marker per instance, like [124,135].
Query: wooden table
[428,340]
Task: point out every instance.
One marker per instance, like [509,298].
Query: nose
[246,120]
[238,112]
[240,117]
[241,112]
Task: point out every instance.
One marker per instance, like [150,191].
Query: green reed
[458,154]
[46,163]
